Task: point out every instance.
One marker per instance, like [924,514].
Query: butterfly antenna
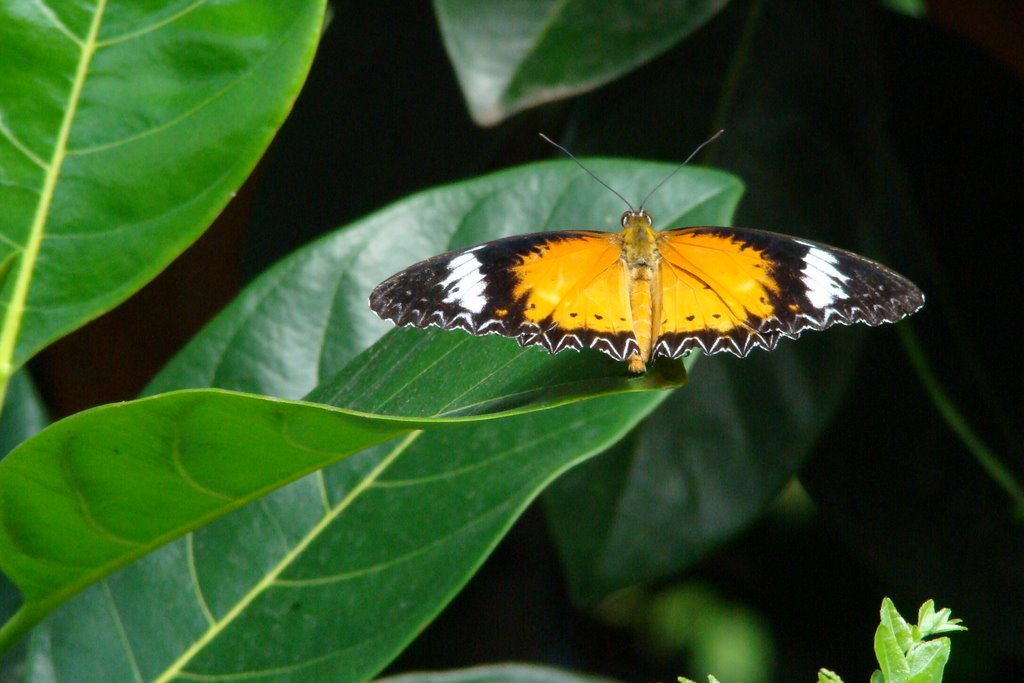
[580,164]
[692,155]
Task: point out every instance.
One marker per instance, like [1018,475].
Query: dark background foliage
[833,110]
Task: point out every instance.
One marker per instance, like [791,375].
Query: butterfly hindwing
[734,289]
[559,290]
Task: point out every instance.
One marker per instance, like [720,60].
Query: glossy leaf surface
[402,525]
[124,128]
[511,56]
[108,485]
[301,323]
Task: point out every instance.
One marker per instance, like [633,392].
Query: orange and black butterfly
[639,294]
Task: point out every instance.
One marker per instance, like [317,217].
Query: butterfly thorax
[641,257]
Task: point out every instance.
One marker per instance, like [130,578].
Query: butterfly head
[638,236]
[637,218]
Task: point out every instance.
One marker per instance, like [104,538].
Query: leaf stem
[17,626]
[958,424]
[30,254]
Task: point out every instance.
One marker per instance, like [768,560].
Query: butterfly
[639,294]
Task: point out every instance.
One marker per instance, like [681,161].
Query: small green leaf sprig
[904,655]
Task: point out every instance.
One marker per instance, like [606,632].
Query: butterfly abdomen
[642,305]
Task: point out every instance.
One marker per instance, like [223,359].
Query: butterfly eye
[625,217]
[650,219]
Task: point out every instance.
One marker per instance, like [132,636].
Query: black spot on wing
[847,289]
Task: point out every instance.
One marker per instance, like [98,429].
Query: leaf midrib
[30,254]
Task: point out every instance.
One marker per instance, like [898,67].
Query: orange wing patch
[577,289]
[559,290]
[715,292]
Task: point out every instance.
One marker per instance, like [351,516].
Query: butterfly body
[639,293]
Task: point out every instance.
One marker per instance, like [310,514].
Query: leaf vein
[152,27]
[9,134]
[57,23]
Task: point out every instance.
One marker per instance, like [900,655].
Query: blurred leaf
[24,413]
[712,458]
[23,416]
[912,8]
[124,129]
[509,57]
[403,525]
[718,633]
[704,465]
[892,455]
[498,673]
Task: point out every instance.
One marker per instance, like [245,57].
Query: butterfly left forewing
[735,289]
[559,290]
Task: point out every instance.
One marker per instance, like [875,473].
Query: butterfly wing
[734,289]
[559,290]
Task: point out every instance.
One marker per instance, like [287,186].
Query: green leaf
[301,322]
[894,623]
[709,462]
[499,673]
[408,373]
[511,58]
[912,8]
[124,479]
[24,415]
[890,656]
[656,504]
[402,525]
[124,128]
[826,676]
[927,661]
[901,652]
[930,622]
[108,485]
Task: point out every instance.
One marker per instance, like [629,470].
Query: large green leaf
[347,566]
[511,56]
[108,485]
[709,461]
[401,526]
[124,128]
[305,319]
